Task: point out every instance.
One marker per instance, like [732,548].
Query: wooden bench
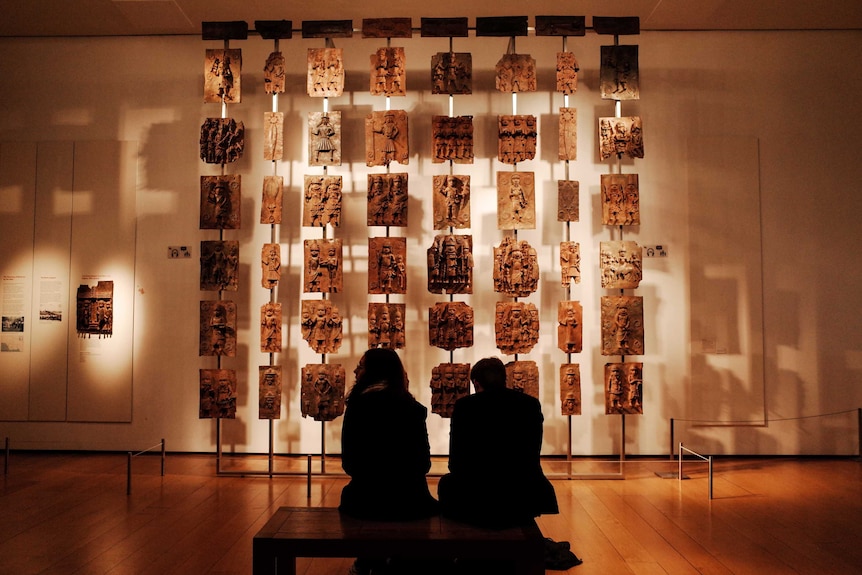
[324,532]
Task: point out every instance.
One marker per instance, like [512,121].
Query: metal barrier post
[129,474]
[670,456]
[699,456]
[163,457]
[710,477]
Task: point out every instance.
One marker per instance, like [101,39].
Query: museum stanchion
[670,451]
[708,459]
[130,456]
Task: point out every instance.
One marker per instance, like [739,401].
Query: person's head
[379,366]
[488,374]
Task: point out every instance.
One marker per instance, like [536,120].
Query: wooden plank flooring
[68,513]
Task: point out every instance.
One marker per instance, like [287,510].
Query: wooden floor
[69,513]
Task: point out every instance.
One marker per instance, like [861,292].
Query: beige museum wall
[751,178]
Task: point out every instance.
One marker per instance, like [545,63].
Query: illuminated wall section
[72,224]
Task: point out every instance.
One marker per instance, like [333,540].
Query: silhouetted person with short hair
[495,440]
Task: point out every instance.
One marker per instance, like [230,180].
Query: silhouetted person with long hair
[384,444]
[495,440]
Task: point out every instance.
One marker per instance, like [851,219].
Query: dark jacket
[496,478]
[385,451]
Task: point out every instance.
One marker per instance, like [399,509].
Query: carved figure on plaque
[568,208]
[323,269]
[452,139]
[523,376]
[223,76]
[207,380]
[450,325]
[324,139]
[220,202]
[622,325]
[451,202]
[621,264]
[387,199]
[450,264]
[95,310]
[270,328]
[570,389]
[325,72]
[516,200]
[386,138]
[516,138]
[567,73]
[219,265]
[322,201]
[570,263]
[271,200]
[516,326]
[218,393]
[516,73]
[570,327]
[270,264]
[621,136]
[269,392]
[452,73]
[387,268]
[516,268]
[273,73]
[449,383]
[568,134]
[273,140]
[618,75]
[218,328]
[388,73]
[624,388]
[332,204]
[386,325]
[322,391]
[620,200]
[222,140]
[322,326]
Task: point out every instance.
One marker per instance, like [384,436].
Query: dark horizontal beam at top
[498,26]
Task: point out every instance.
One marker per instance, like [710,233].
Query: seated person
[495,440]
[384,444]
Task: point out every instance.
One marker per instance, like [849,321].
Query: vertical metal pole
[129,474]
[218,445]
[679,476]
[623,437]
[569,454]
[163,457]
[710,477]
[271,447]
[308,478]
[670,456]
[323,448]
